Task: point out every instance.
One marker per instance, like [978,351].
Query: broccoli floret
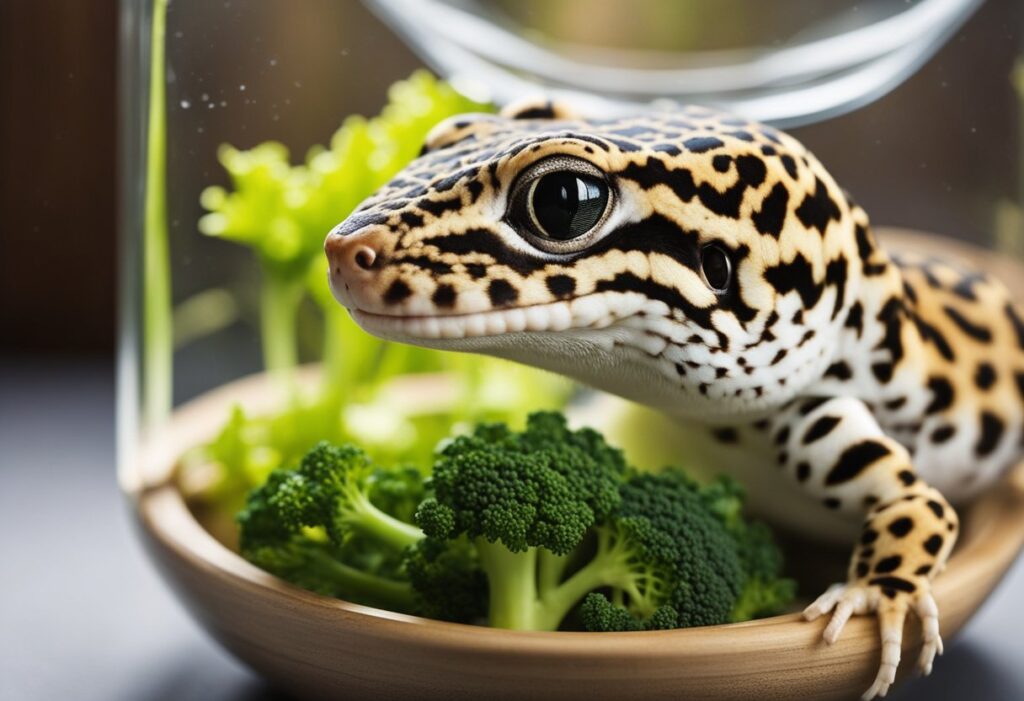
[274,537]
[447,580]
[331,488]
[765,590]
[598,614]
[525,500]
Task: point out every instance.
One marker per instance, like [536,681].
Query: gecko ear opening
[538,108]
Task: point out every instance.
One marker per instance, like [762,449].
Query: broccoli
[557,517]
[317,527]
[525,501]
[519,529]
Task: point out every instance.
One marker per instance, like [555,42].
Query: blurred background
[942,152]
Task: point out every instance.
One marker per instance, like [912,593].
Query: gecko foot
[891,607]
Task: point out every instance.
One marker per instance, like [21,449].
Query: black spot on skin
[888,564]
[444,296]
[984,376]
[772,216]
[894,404]
[703,388]
[854,460]
[789,164]
[439,207]
[476,270]
[934,544]
[397,292]
[832,503]
[867,553]
[546,111]
[932,335]
[721,163]
[839,370]
[882,371]
[906,477]
[835,275]
[1015,321]
[901,526]
[426,263]
[812,404]
[992,428]
[855,318]
[797,275]
[502,293]
[411,219]
[870,500]
[700,144]
[895,583]
[869,536]
[768,150]
[751,169]
[862,569]
[783,458]
[1018,377]
[818,208]
[803,471]
[486,242]
[975,331]
[923,569]
[820,428]
[680,369]
[942,395]
[866,247]
[782,436]
[670,149]
[561,286]
[909,292]
[725,435]
[936,508]
[475,189]
[779,356]
[965,287]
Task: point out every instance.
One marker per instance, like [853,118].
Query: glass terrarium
[249,130]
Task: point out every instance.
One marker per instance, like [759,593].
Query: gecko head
[664,256]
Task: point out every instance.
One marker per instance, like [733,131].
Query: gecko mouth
[587,311]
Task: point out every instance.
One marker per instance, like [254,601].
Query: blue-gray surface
[84,617]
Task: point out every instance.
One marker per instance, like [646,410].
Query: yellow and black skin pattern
[710,267]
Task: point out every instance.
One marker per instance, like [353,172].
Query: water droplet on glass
[205,98]
[185,104]
[273,62]
[242,87]
[223,103]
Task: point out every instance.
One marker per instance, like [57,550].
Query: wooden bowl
[322,648]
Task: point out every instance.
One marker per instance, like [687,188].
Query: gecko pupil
[716,267]
[566,205]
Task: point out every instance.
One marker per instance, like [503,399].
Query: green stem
[363,587]
[279,303]
[156,313]
[366,518]
[550,567]
[512,579]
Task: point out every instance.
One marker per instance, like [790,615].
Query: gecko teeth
[590,311]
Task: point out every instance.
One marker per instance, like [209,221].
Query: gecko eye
[716,267]
[560,202]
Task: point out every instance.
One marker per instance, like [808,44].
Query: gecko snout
[354,258]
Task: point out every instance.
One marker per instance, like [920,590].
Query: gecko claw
[846,600]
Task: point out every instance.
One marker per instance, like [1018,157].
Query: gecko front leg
[837,451]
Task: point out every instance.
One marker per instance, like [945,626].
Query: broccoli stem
[360,586]
[361,514]
[512,580]
[551,568]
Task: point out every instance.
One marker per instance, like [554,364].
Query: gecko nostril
[365,257]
